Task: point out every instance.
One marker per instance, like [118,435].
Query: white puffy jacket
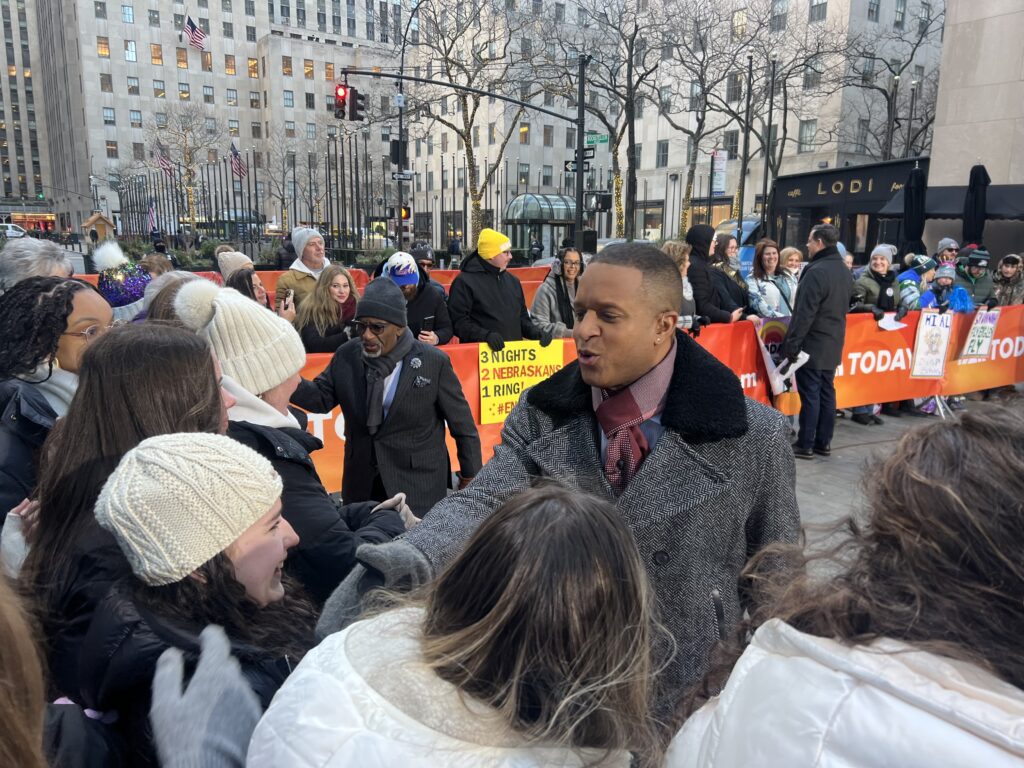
[794,701]
[364,698]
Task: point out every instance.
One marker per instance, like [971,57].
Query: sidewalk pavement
[830,488]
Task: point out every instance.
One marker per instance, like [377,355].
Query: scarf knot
[377,370]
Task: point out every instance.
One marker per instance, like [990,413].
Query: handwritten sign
[979,340]
[506,374]
[931,344]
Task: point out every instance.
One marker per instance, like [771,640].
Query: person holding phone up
[425,305]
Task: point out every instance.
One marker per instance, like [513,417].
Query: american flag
[152,214]
[237,164]
[194,33]
[164,161]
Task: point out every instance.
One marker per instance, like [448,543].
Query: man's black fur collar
[705,400]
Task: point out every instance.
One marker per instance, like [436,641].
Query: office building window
[135,118]
[250,34]
[232,97]
[289,98]
[156,54]
[524,133]
[154,18]
[329,72]
[731,144]
[734,87]
[812,73]
[661,158]
[128,14]
[159,92]
[286,66]
[524,173]
[254,99]
[106,83]
[818,10]
[138,150]
[208,94]
[256,130]
[232,127]
[112,150]
[253,66]
[229,64]
[549,135]
[547,175]
[206,61]
[780,10]
[307,69]
[99,10]
[184,93]
[228,29]
[310,101]
[181,56]
[808,131]
[873,10]
[133,86]
[901,14]
[570,138]
[160,118]
[108,116]
[103,47]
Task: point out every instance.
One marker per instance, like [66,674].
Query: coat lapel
[570,453]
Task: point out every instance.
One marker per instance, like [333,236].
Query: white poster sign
[931,343]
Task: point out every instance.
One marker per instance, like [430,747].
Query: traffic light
[406,213]
[356,105]
[399,152]
[341,94]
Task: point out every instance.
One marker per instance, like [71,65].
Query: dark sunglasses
[375,328]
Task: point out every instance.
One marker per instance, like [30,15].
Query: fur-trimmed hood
[705,400]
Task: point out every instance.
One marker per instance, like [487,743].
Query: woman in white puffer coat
[531,649]
[909,655]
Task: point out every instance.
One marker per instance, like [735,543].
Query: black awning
[1005,201]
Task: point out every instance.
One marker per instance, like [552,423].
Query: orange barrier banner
[875,369]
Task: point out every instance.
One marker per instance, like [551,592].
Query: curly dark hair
[283,628]
[33,315]
[936,565]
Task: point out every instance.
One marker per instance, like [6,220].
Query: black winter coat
[119,657]
[26,421]
[430,301]
[328,342]
[706,298]
[329,533]
[484,300]
[96,564]
[730,295]
[818,325]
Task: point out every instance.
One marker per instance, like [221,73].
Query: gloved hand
[210,724]
[901,312]
[545,338]
[942,307]
[495,341]
[397,503]
[992,303]
[878,313]
[396,565]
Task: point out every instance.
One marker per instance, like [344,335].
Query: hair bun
[194,303]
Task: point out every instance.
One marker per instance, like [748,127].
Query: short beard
[378,353]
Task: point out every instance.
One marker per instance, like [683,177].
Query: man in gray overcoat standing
[702,475]
[396,393]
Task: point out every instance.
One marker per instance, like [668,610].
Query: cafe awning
[1005,201]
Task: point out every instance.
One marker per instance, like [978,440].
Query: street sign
[588,153]
[570,166]
[718,158]
[402,176]
[398,100]
[593,139]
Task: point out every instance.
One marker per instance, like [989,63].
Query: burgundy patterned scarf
[620,415]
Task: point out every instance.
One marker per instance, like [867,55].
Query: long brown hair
[546,617]
[937,564]
[22,695]
[281,628]
[319,309]
[758,269]
[136,381]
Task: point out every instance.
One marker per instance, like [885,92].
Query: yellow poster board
[506,374]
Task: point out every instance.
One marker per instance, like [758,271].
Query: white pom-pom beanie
[255,347]
[175,501]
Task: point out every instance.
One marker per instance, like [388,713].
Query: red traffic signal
[340,99]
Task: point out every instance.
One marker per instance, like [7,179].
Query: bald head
[661,287]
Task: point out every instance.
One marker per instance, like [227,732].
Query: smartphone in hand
[428,323]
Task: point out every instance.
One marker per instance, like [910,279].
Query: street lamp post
[891,128]
[910,123]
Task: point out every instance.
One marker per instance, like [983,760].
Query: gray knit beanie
[301,236]
[383,300]
[256,348]
[175,501]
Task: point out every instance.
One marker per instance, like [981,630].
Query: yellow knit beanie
[491,243]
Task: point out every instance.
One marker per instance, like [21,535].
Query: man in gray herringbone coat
[715,485]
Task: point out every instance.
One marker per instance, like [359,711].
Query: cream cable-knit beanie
[256,347]
[232,261]
[177,500]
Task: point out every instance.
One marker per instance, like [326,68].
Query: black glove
[878,313]
[545,338]
[992,303]
[699,321]
[495,342]
[901,312]
[942,307]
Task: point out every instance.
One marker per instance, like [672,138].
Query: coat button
[620,464]
[661,557]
